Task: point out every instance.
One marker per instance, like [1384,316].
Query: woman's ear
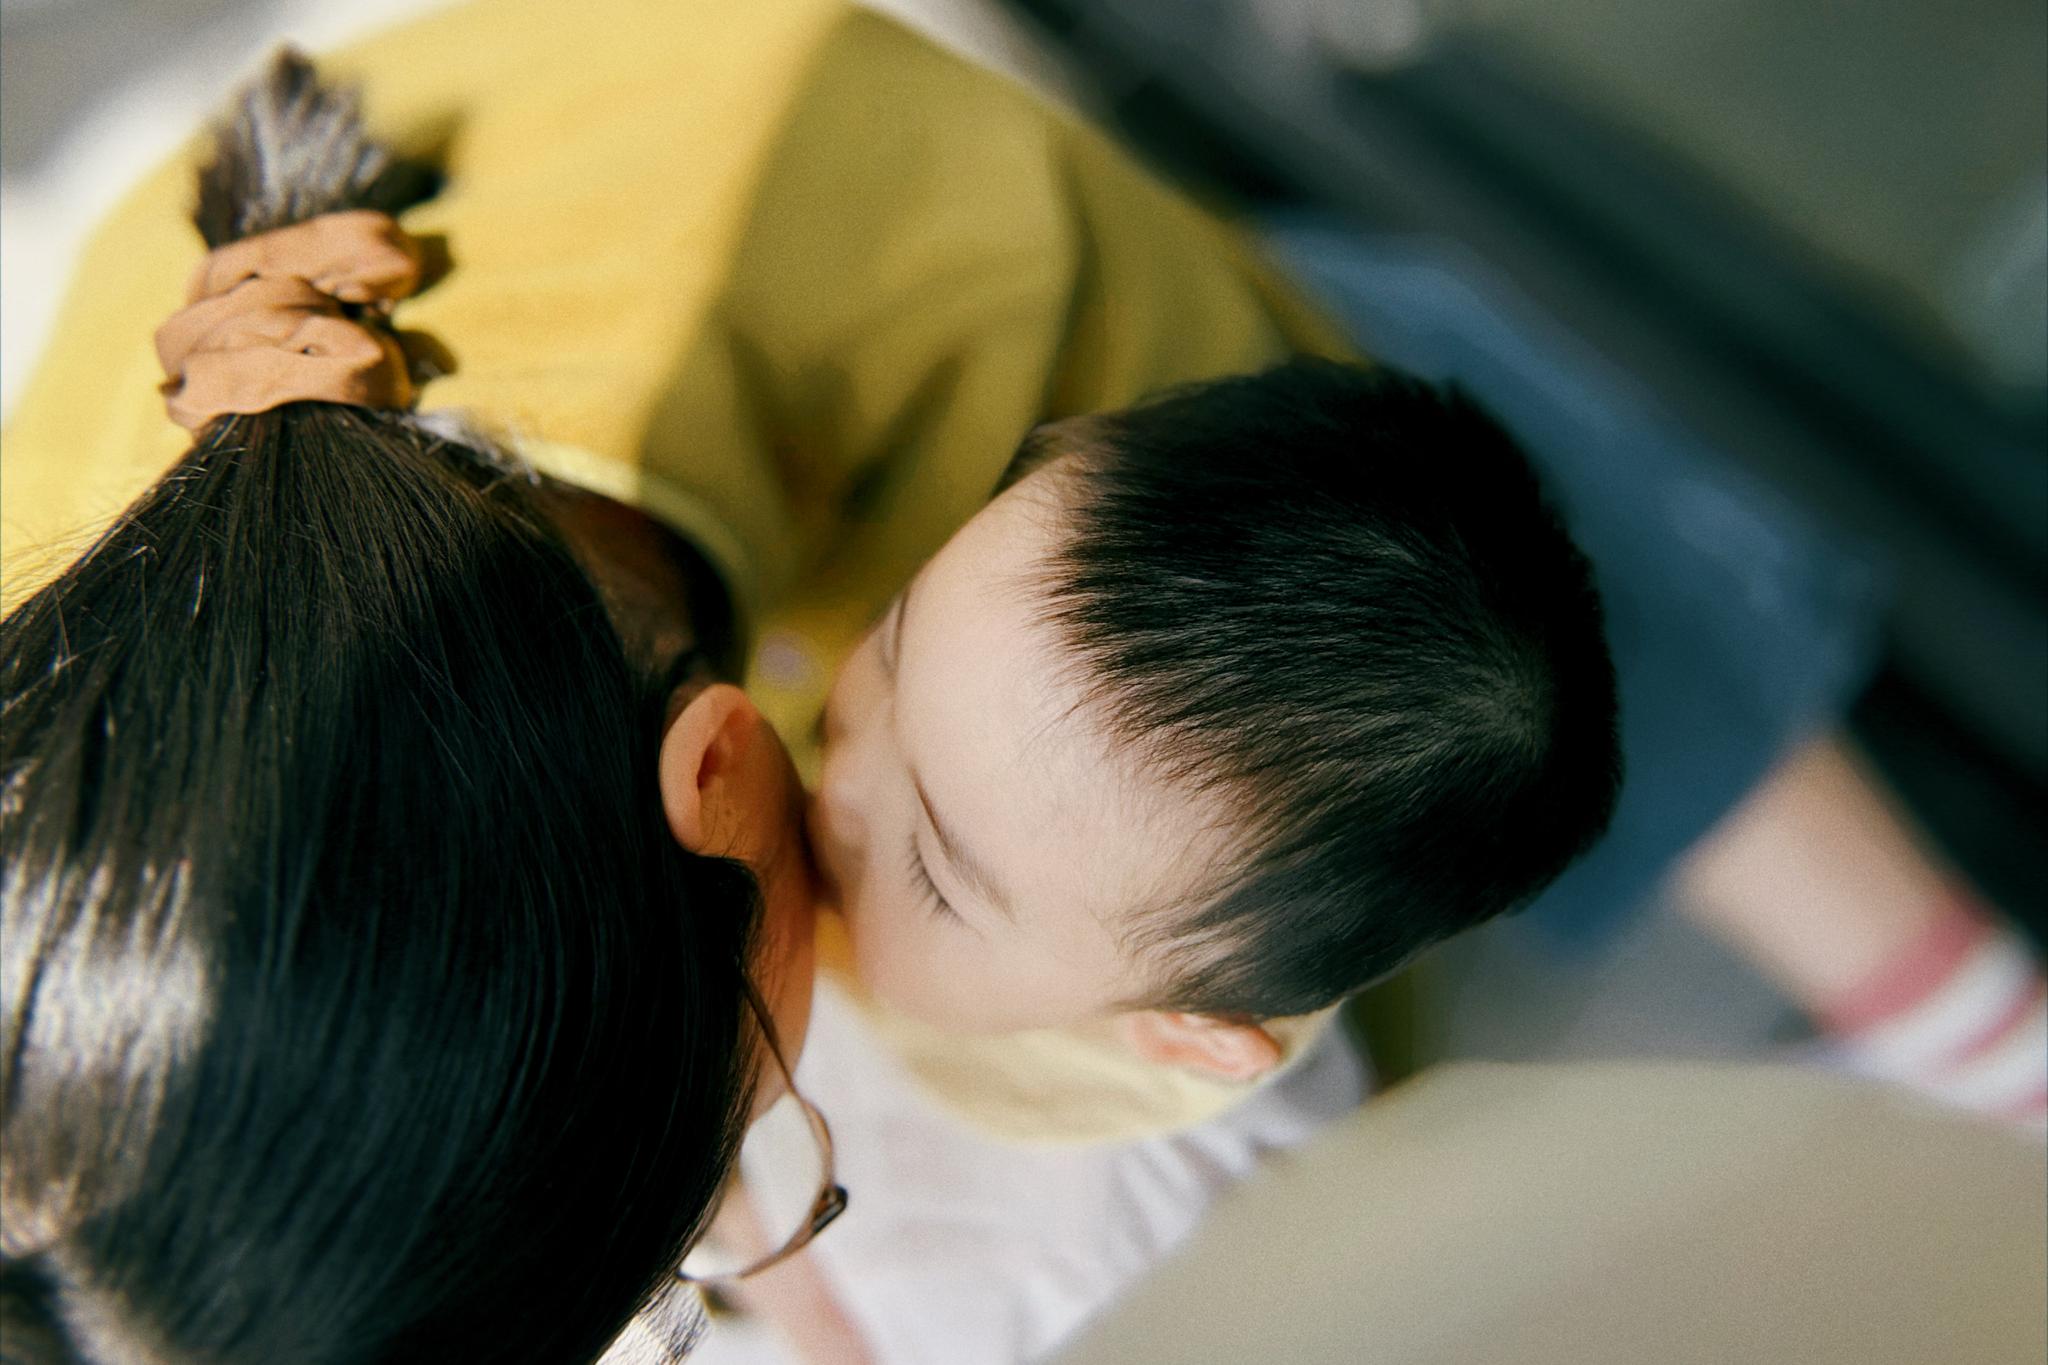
[1231,1051]
[703,771]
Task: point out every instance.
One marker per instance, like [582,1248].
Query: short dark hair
[1337,597]
[358,1003]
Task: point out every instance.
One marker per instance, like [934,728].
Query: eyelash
[935,903]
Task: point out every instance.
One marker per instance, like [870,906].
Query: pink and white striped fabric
[1961,1014]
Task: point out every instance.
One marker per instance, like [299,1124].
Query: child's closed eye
[935,902]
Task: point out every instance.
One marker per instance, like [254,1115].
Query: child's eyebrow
[970,868]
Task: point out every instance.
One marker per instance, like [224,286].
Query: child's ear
[703,770]
[1233,1051]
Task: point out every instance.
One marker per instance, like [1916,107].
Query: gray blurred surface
[1905,144]
[59,58]
[1659,988]
[1618,1215]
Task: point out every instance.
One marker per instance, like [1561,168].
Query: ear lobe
[1201,1042]
[699,769]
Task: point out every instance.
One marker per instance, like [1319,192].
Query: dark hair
[358,1004]
[1336,596]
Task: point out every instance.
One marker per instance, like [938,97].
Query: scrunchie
[278,317]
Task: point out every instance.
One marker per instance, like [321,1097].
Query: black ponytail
[355,1003]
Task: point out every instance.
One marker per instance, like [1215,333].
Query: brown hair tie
[268,321]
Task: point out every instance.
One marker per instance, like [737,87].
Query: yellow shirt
[777,272]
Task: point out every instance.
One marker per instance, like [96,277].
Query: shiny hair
[356,1003]
[1338,597]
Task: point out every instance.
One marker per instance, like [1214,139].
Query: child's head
[367,992]
[1228,705]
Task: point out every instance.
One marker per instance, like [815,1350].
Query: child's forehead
[1004,727]
[1021,769]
